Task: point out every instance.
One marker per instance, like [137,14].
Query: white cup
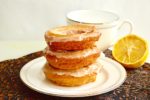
[106,22]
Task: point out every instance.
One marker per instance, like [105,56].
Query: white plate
[111,76]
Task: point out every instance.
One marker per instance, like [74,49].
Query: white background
[27,20]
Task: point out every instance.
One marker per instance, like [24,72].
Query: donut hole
[71,32]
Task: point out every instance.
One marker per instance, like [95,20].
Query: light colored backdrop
[23,22]
[28,19]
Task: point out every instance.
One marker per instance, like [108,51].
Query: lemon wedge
[131,51]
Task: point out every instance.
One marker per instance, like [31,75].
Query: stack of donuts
[71,55]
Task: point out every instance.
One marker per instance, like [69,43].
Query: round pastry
[71,59]
[72,37]
[72,77]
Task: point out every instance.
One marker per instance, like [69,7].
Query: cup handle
[121,25]
[126,22]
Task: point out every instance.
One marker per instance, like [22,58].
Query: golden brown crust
[71,63]
[70,53]
[72,37]
[73,45]
[65,80]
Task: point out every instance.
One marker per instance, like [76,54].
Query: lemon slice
[131,51]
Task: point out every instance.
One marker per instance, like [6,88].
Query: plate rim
[116,85]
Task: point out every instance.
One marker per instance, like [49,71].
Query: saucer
[111,77]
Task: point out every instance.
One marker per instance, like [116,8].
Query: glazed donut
[71,59]
[72,37]
[72,77]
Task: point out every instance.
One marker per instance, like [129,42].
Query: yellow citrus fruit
[131,51]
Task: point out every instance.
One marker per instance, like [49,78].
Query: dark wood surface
[136,86]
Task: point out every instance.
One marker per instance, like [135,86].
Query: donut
[72,77]
[72,37]
[71,59]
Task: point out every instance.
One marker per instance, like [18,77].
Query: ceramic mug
[107,23]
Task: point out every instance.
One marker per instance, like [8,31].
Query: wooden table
[136,86]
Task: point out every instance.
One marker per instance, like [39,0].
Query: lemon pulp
[131,51]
